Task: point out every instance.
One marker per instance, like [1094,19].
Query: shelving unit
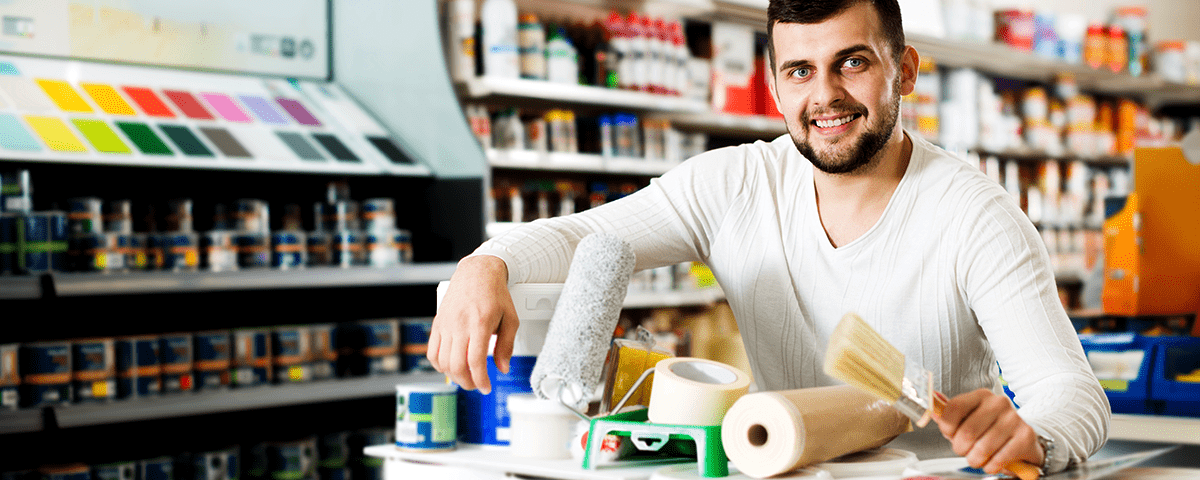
[1147,428]
[575,162]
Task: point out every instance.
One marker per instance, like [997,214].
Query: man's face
[838,87]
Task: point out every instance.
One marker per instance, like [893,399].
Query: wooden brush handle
[1022,469]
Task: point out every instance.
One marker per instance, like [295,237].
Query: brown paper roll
[769,433]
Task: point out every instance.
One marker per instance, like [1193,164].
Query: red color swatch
[148,102]
[188,104]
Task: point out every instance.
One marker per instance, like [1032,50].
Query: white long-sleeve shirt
[953,274]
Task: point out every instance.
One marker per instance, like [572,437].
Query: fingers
[1022,446]
[506,335]
[984,428]
[476,359]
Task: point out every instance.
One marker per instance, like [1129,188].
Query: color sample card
[300,146]
[187,141]
[225,142]
[25,95]
[335,147]
[226,107]
[55,133]
[144,138]
[298,112]
[102,137]
[108,99]
[149,102]
[390,150]
[64,95]
[14,136]
[188,104]
[263,110]
[7,68]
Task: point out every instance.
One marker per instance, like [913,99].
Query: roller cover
[769,433]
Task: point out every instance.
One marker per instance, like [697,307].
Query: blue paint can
[115,471]
[213,359]
[381,249]
[324,350]
[484,419]
[426,417]
[85,215]
[216,465]
[158,468]
[8,242]
[403,240]
[220,253]
[138,368]
[295,460]
[175,354]
[291,354]
[251,356]
[43,242]
[348,249]
[380,345]
[319,246]
[46,380]
[95,370]
[288,250]
[181,251]
[253,250]
[10,376]
[415,332]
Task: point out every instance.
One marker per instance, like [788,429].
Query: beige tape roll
[769,433]
[694,391]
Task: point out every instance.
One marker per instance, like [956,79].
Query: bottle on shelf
[562,59]
[500,39]
[532,47]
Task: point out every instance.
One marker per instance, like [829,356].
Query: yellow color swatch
[64,95]
[55,133]
[108,99]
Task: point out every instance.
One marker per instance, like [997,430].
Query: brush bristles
[859,356]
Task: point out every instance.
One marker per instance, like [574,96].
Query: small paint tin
[288,250]
[380,345]
[118,218]
[118,248]
[382,250]
[138,256]
[338,216]
[138,368]
[157,468]
[253,250]
[324,350]
[47,374]
[319,246]
[115,471]
[179,215]
[216,465]
[181,251]
[213,358]
[154,250]
[251,216]
[348,248]
[426,417]
[415,334]
[220,252]
[379,215]
[403,240]
[10,376]
[251,356]
[85,215]
[95,370]
[175,354]
[15,191]
[8,242]
[291,354]
[75,471]
[43,243]
[295,460]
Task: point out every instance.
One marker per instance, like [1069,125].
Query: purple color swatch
[263,110]
[226,107]
[298,112]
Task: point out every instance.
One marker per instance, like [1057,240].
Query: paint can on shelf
[10,376]
[415,335]
[220,252]
[94,370]
[43,243]
[379,215]
[291,354]
[426,417]
[403,240]
[253,250]
[115,471]
[216,465]
[380,342]
[324,350]
[157,468]
[138,368]
[213,359]
[348,248]
[181,251]
[251,356]
[251,216]
[319,246]
[46,380]
[381,249]
[85,215]
[288,250]
[294,460]
[8,242]
[175,352]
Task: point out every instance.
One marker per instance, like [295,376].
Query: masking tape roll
[694,391]
[769,433]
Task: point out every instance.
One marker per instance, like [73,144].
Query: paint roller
[577,341]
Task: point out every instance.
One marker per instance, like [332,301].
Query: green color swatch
[144,138]
[101,136]
[186,140]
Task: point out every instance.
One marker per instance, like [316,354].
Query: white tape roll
[873,462]
[694,391]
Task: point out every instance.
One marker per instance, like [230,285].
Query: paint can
[319,246]
[251,216]
[415,334]
[380,345]
[42,242]
[117,250]
[10,376]
[8,242]
[220,252]
[175,354]
[288,250]
[324,350]
[213,359]
[348,248]
[381,249]
[403,240]
[157,468]
[216,465]
[426,417]
[139,256]
[485,419]
[85,215]
[179,215]
[74,471]
[253,250]
[16,191]
[379,215]
[251,356]
[46,380]
[138,368]
[95,370]
[181,251]
[368,467]
[295,460]
[291,354]
[119,217]
[338,216]
[333,453]
[115,471]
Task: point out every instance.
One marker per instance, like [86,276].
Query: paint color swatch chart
[80,112]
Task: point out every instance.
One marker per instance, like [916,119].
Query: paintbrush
[860,356]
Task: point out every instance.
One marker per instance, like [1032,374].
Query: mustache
[807,116]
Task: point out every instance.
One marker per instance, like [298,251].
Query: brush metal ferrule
[916,394]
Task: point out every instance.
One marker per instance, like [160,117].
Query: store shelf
[1029,155]
[728,124]
[575,162]
[81,284]
[1151,428]
[213,401]
[678,298]
[20,288]
[485,87]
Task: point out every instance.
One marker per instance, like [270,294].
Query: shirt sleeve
[672,220]
[1005,271]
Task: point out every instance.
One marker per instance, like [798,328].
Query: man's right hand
[476,306]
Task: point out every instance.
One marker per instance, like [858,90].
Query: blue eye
[853,62]
[801,72]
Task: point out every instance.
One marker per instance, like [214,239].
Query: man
[845,213]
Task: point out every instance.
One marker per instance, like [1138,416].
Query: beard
[861,151]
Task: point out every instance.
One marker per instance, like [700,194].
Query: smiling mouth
[836,122]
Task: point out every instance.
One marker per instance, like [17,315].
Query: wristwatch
[1048,447]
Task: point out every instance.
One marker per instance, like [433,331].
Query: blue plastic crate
[1113,356]
[1174,356]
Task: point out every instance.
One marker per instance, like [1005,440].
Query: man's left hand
[984,427]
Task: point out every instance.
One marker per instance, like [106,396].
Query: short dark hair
[817,11]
